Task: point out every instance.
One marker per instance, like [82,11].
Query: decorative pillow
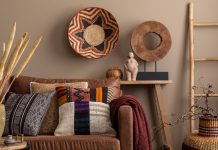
[84,111]
[25,112]
[50,121]
[21,84]
[48,87]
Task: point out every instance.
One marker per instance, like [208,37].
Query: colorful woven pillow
[25,112]
[50,121]
[84,111]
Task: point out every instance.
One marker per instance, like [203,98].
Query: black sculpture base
[152,76]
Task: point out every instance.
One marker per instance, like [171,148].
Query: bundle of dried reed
[8,64]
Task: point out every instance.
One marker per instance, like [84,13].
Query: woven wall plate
[93,32]
[138,45]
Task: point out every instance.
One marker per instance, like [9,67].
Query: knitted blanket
[141,137]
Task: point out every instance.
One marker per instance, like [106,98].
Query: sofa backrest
[22,84]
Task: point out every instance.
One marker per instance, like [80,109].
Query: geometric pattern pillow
[50,121]
[100,94]
[25,112]
[84,111]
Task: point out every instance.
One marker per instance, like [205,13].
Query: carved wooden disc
[137,41]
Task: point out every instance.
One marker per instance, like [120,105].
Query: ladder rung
[205,24]
[203,95]
[206,59]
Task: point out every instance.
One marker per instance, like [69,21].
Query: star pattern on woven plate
[93,32]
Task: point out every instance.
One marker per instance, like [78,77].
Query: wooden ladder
[193,60]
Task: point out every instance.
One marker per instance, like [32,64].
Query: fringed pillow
[84,111]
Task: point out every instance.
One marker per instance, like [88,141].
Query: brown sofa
[124,140]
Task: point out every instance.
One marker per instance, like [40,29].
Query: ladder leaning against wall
[193,60]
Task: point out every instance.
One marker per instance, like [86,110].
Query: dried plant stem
[26,39]
[10,64]
[7,66]
[3,97]
[2,67]
[23,65]
[11,38]
[21,50]
[7,50]
[3,50]
[13,58]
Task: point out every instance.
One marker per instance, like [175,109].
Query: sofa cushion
[50,121]
[25,112]
[84,111]
[22,83]
[36,87]
[74,142]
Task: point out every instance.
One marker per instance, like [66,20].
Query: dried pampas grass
[3,48]
[7,66]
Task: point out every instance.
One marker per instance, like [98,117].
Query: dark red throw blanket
[141,138]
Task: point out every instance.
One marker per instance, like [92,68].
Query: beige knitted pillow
[48,87]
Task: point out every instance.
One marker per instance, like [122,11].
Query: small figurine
[131,67]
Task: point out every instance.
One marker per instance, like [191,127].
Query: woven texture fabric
[85,41]
[208,126]
[50,121]
[25,112]
[197,142]
[84,111]
[100,94]
[36,87]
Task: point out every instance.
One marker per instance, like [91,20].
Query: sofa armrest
[125,127]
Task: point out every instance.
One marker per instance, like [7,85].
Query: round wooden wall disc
[137,41]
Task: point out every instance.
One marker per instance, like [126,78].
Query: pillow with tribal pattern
[50,121]
[25,112]
[84,111]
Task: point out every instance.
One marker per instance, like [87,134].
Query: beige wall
[55,58]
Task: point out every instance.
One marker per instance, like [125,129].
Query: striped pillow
[84,111]
[50,121]
[25,112]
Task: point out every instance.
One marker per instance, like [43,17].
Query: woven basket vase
[208,126]
[2,119]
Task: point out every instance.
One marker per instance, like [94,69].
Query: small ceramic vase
[115,73]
